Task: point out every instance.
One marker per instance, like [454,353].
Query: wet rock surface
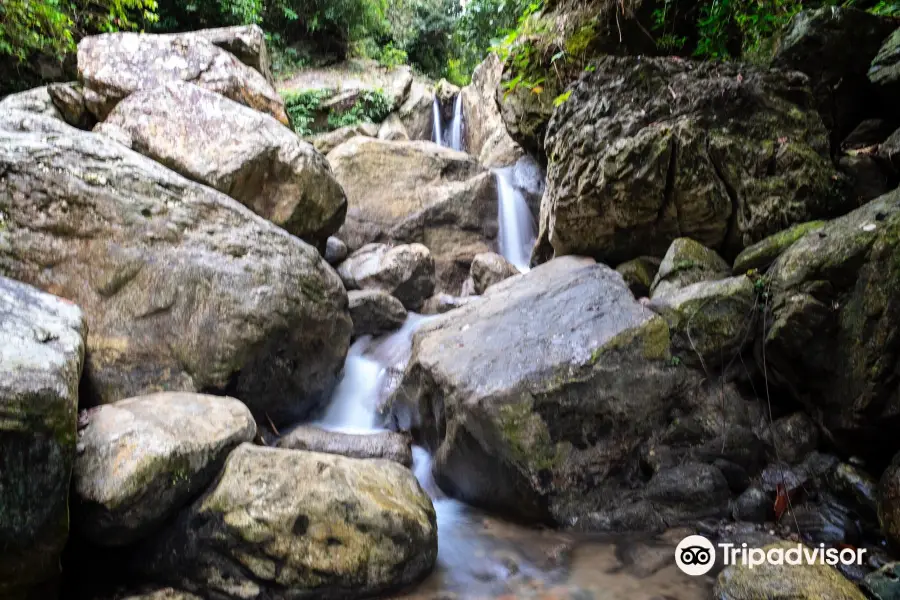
[489,268]
[374,312]
[385,444]
[405,272]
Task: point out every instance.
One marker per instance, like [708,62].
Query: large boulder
[647,150]
[383,444]
[816,42]
[113,65]
[884,73]
[183,289]
[490,268]
[246,42]
[295,524]
[486,135]
[375,312]
[407,192]
[834,318]
[244,153]
[417,112]
[41,356]
[340,86]
[405,272]
[141,459]
[686,262]
[547,397]
[639,274]
[761,255]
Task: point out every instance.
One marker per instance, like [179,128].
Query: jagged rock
[690,487]
[794,437]
[647,150]
[113,65]
[816,43]
[784,581]
[441,303]
[489,268]
[867,134]
[41,355]
[183,289]
[374,312]
[141,459]
[523,409]
[711,321]
[889,152]
[833,318]
[486,135]
[762,254]
[335,251]
[289,523]
[246,42]
[392,130]
[867,180]
[405,272]
[639,274]
[69,99]
[404,192]
[884,72]
[246,154]
[416,113]
[385,444]
[686,262]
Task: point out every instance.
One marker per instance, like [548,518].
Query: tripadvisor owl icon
[695,555]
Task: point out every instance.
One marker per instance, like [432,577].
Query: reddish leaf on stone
[781,501]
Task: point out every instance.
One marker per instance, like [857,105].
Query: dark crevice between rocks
[732,243]
[669,191]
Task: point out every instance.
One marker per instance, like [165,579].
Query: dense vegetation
[438,37]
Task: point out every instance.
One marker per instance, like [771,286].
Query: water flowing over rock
[141,459]
[383,444]
[830,335]
[405,272]
[41,355]
[816,42]
[557,381]
[113,65]
[375,312]
[686,262]
[647,150]
[295,524]
[183,289]
[246,154]
[406,192]
[486,135]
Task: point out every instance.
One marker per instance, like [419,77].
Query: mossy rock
[687,262]
[639,274]
[761,255]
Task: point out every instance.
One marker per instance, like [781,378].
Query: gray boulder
[647,150]
[295,524]
[327,141]
[114,65]
[405,192]
[335,251]
[794,437]
[405,272]
[489,268]
[246,42]
[546,417]
[441,303]
[486,135]
[832,321]
[244,153]
[375,312]
[686,262]
[42,341]
[63,101]
[416,112]
[384,444]
[761,255]
[183,289]
[392,129]
[140,460]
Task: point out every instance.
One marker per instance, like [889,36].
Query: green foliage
[372,106]
[301,107]
[888,9]
[308,117]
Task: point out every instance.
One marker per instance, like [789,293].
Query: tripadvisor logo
[696,555]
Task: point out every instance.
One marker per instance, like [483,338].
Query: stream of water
[516,223]
[452,137]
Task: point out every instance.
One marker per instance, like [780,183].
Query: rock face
[834,319]
[385,444]
[140,460]
[762,254]
[293,524]
[246,42]
[407,192]
[649,150]
[783,582]
[486,135]
[246,154]
[36,101]
[405,272]
[41,356]
[490,268]
[816,43]
[686,262]
[885,69]
[639,274]
[416,112]
[392,129]
[553,410]
[711,321]
[375,312]
[183,289]
[113,65]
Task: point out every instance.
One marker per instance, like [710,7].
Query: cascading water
[437,126]
[456,125]
[516,223]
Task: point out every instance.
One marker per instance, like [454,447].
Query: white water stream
[452,137]
[436,125]
[456,125]
[516,235]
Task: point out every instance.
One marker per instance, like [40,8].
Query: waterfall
[516,226]
[436,125]
[456,125]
